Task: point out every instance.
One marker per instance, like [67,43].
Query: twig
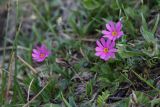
[36,95]
[29,89]
[149,84]
[83,54]
[11,47]
[10,74]
[28,65]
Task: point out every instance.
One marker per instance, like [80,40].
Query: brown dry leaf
[63,62]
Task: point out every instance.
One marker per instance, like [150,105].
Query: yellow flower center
[114,33]
[105,50]
[42,55]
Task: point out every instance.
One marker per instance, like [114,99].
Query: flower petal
[103,56]
[114,38]
[35,51]
[107,57]
[99,49]
[34,55]
[40,60]
[112,55]
[112,25]
[106,32]
[98,53]
[119,26]
[108,43]
[113,50]
[103,41]
[112,44]
[108,27]
[48,53]
[99,44]
[43,47]
[120,33]
[109,37]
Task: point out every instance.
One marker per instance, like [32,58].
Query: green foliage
[65,101]
[148,36]
[91,4]
[127,54]
[89,88]
[51,105]
[155,102]
[141,98]
[102,98]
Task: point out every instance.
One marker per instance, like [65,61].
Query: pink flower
[113,31]
[40,53]
[105,49]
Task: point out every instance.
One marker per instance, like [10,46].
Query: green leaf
[155,102]
[144,23]
[89,88]
[156,24]
[131,12]
[141,98]
[72,101]
[102,98]
[87,26]
[65,101]
[73,24]
[90,4]
[127,54]
[123,103]
[51,105]
[148,36]
[130,27]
